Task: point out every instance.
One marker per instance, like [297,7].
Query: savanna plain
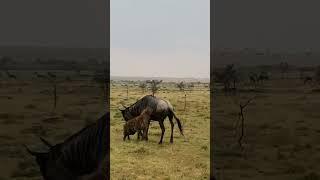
[281,127]
[189,155]
[27,112]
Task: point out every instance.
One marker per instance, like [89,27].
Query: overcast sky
[270,24]
[160,38]
[66,23]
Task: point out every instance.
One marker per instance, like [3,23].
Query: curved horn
[46,142]
[29,151]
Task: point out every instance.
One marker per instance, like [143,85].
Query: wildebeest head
[126,113]
[50,166]
[150,101]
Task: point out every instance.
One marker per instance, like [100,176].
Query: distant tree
[154,85]
[284,67]
[181,86]
[230,77]
[191,85]
[143,87]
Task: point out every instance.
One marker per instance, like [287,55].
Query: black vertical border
[211,89]
[107,58]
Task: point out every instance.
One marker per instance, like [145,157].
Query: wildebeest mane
[136,108]
[79,155]
[83,151]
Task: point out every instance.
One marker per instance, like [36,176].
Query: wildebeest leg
[163,129]
[139,133]
[172,126]
[128,137]
[145,134]
[145,131]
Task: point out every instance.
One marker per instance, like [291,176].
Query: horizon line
[159,77]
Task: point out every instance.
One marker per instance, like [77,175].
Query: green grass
[187,158]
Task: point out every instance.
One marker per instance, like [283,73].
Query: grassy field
[27,112]
[282,130]
[187,158]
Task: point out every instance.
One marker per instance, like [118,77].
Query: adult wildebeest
[138,124]
[254,78]
[161,109]
[263,77]
[80,155]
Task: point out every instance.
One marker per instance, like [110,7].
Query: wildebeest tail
[179,123]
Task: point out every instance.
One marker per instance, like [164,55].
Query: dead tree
[127,86]
[181,87]
[55,97]
[242,107]
[185,101]
[54,92]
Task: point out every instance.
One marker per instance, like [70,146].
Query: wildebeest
[160,110]
[263,76]
[254,78]
[138,124]
[11,76]
[52,75]
[80,155]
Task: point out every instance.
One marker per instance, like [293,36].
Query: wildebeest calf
[138,124]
